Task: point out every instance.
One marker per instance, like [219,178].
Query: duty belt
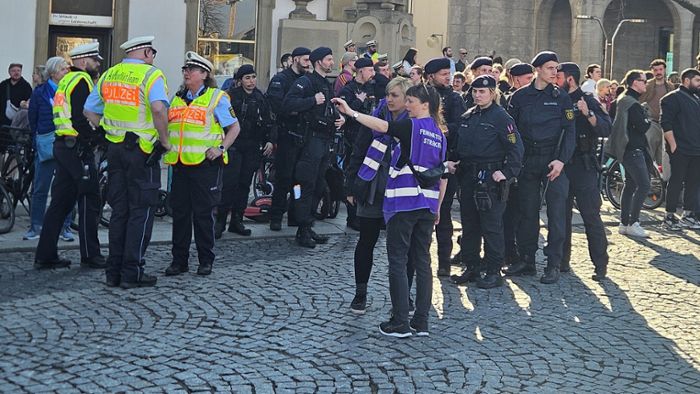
[474,168]
[540,147]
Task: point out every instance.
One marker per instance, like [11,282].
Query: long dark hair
[411,56]
[428,94]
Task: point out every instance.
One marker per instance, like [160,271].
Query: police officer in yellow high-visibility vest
[201,126]
[76,177]
[130,102]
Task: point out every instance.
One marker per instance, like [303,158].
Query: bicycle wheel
[657,192]
[262,181]
[7,211]
[105,209]
[614,183]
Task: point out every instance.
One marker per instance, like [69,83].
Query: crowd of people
[508,136]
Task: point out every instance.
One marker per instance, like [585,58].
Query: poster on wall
[82,13]
[65,44]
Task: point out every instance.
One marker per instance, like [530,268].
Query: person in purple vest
[366,175]
[410,211]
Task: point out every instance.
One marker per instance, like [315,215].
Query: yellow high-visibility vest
[193,128]
[124,90]
[62,105]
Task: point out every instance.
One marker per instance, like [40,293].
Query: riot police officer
[289,138]
[310,96]
[198,116]
[76,176]
[359,94]
[545,118]
[489,154]
[253,113]
[438,75]
[592,122]
[132,127]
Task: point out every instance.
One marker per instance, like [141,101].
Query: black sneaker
[671,223]
[51,264]
[145,281]
[395,329]
[94,262]
[275,225]
[359,304]
[419,329]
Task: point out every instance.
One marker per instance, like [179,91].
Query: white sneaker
[635,230]
[622,229]
[689,220]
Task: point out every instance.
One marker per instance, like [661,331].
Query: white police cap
[86,50]
[193,59]
[138,43]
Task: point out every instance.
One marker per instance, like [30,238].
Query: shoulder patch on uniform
[569,114]
[511,134]
[231,111]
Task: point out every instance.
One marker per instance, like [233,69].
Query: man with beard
[15,89]
[438,75]
[76,175]
[310,97]
[289,137]
[382,76]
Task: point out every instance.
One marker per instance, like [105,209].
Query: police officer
[592,122]
[198,115]
[130,102]
[359,94]
[253,112]
[76,177]
[545,118]
[289,139]
[520,75]
[311,98]
[489,153]
[480,66]
[438,75]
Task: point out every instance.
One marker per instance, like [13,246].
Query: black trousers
[478,225]
[531,182]
[511,221]
[444,229]
[133,195]
[686,169]
[68,186]
[244,161]
[310,173]
[195,191]
[364,250]
[286,158]
[583,185]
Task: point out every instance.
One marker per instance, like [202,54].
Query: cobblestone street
[275,318]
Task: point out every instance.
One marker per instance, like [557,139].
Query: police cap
[371,43]
[193,59]
[319,53]
[86,50]
[363,62]
[348,44]
[436,64]
[484,81]
[521,69]
[481,61]
[544,57]
[244,70]
[301,51]
[138,43]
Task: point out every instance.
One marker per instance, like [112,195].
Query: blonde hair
[603,83]
[402,82]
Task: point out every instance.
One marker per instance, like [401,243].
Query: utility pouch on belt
[130,141]
[482,199]
[156,154]
[504,189]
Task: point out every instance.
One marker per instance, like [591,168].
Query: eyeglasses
[463,53]
[191,68]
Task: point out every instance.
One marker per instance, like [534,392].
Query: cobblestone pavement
[274,318]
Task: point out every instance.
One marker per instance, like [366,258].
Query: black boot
[176,269]
[220,225]
[601,273]
[491,280]
[521,268]
[359,303]
[551,275]
[318,238]
[469,275]
[304,238]
[236,226]
[276,224]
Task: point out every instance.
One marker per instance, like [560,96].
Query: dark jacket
[253,113]
[19,92]
[587,135]
[680,113]
[41,109]
[300,99]
[278,88]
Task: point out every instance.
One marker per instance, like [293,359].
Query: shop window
[226,33]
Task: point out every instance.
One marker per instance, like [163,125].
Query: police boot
[469,275]
[220,225]
[276,224]
[551,275]
[491,280]
[236,226]
[601,273]
[521,268]
[318,238]
[304,238]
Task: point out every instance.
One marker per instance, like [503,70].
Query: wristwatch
[590,114]
[222,148]
[356,115]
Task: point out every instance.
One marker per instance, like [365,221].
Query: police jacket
[300,99]
[349,93]
[278,88]
[489,138]
[587,135]
[542,116]
[253,112]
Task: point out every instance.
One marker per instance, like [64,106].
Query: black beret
[301,51]
[484,81]
[569,68]
[363,62]
[521,69]
[481,61]
[544,57]
[244,70]
[319,53]
[436,64]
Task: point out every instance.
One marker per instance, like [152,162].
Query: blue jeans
[637,185]
[43,175]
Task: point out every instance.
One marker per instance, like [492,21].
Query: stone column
[41,31]
[263,41]
[683,33]
[587,36]
[301,12]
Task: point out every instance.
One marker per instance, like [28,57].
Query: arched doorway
[559,36]
[637,44]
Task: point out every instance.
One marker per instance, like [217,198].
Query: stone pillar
[588,40]
[263,41]
[301,12]
[191,24]
[683,36]
[41,31]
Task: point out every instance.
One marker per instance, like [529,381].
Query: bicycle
[16,173]
[613,181]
